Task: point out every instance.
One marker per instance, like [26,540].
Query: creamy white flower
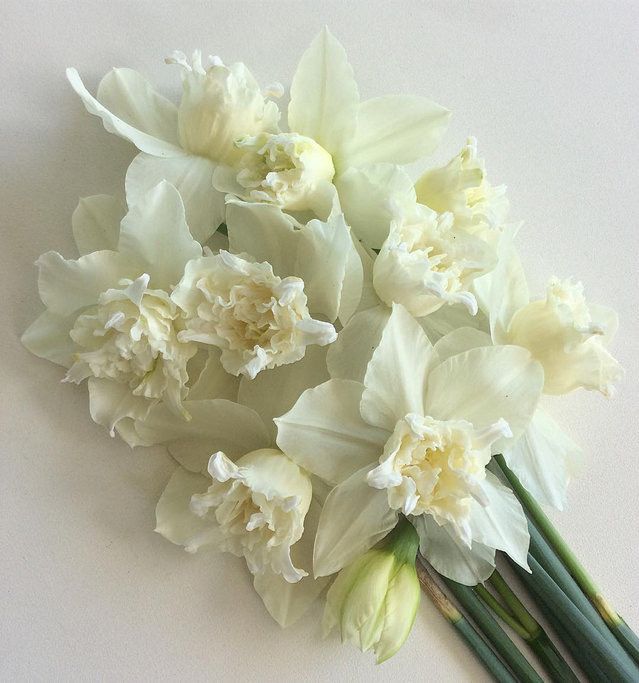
[184,144]
[567,337]
[109,318]
[437,467]
[462,188]
[373,602]
[286,169]
[426,262]
[130,337]
[258,505]
[360,136]
[259,320]
[433,424]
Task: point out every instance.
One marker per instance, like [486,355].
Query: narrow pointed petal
[156,235]
[192,177]
[396,129]
[354,518]
[395,379]
[96,223]
[324,95]
[325,434]
[143,141]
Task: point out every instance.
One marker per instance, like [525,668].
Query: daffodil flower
[109,318]
[234,490]
[184,144]
[414,437]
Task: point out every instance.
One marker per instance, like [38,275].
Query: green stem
[509,652]
[491,601]
[558,544]
[524,617]
[619,628]
[556,666]
[607,654]
[479,647]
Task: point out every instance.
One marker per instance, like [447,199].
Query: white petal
[449,318]
[395,379]
[317,252]
[396,129]
[354,518]
[460,340]
[156,235]
[504,290]
[130,97]
[96,223]
[287,602]
[484,385]
[544,459]
[324,96]
[66,286]
[174,518]
[325,434]
[143,141]
[348,357]
[110,402]
[502,523]
[369,194]
[215,425]
[274,392]
[449,556]
[192,177]
[213,381]
[48,337]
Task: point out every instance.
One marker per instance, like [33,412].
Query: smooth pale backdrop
[87,590]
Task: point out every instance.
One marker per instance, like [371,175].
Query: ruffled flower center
[130,337]
[284,169]
[255,520]
[259,320]
[436,467]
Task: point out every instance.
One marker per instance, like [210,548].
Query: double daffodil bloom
[414,435]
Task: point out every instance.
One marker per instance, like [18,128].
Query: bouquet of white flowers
[346,364]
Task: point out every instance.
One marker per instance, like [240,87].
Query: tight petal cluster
[258,320]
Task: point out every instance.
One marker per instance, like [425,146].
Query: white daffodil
[568,337]
[257,319]
[259,503]
[220,104]
[365,139]
[415,437]
[461,188]
[109,318]
[563,332]
[373,602]
[426,262]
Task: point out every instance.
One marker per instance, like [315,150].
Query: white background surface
[87,590]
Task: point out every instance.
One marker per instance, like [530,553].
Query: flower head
[258,505]
[426,263]
[258,319]
[568,338]
[437,467]
[462,188]
[374,600]
[130,337]
[285,169]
